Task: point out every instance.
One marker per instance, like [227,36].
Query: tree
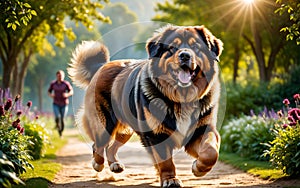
[292,8]
[254,23]
[25,25]
[42,68]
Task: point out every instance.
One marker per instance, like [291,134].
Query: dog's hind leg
[102,139]
[122,135]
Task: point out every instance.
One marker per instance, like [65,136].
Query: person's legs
[63,112]
[56,115]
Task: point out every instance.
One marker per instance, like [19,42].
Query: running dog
[170,99]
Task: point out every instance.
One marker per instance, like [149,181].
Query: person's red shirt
[59,89]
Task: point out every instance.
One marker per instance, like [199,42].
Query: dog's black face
[184,61]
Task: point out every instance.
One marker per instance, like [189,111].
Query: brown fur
[169,100]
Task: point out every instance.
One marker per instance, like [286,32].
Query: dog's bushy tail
[86,59]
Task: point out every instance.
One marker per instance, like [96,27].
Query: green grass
[45,168]
[262,169]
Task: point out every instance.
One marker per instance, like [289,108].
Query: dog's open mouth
[185,75]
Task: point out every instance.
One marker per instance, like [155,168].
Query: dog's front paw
[199,170]
[172,183]
[116,167]
[97,167]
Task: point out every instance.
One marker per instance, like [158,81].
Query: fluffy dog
[170,100]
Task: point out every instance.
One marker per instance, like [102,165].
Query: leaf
[33,12]
[12,176]
[14,26]
[5,162]
[27,5]
[17,22]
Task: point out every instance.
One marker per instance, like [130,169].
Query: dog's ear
[214,45]
[156,46]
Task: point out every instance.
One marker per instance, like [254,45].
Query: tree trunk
[236,62]
[14,82]
[40,93]
[259,54]
[22,73]
[7,73]
[272,57]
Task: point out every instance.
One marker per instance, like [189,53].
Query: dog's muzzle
[187,69]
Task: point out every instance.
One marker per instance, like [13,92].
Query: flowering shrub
[246,136]
[284,150]
[38,135]
[21,138]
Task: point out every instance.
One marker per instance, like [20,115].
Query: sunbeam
[239,14]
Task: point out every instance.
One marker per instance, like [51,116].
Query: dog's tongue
[184,76]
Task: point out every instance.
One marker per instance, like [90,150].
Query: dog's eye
[195,46]
[172,49]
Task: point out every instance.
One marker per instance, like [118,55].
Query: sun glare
[248,2]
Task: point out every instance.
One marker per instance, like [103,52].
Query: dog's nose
[184,56]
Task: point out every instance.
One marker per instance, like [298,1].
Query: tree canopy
[25,25]
[293,9]
[247,28]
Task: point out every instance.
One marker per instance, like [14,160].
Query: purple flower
[2,112]
[29,104]
[8,104]
[252,113]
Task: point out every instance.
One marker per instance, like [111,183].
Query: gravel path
[78,172]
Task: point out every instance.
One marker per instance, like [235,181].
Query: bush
[246,135]
[7,174]
[285,150]
[18,146]
[14,145]
[243,99]
[38,136]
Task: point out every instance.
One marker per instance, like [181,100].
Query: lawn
[262,169]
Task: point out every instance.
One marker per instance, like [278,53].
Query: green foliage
[29,36]
[242,99]
[290,85]
[292,8]
[18,147]
[15,145]
[246,136]
[38,136]
[17,13]
[262,169]
[285,150]
[7,174]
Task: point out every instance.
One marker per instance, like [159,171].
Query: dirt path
[78,172]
